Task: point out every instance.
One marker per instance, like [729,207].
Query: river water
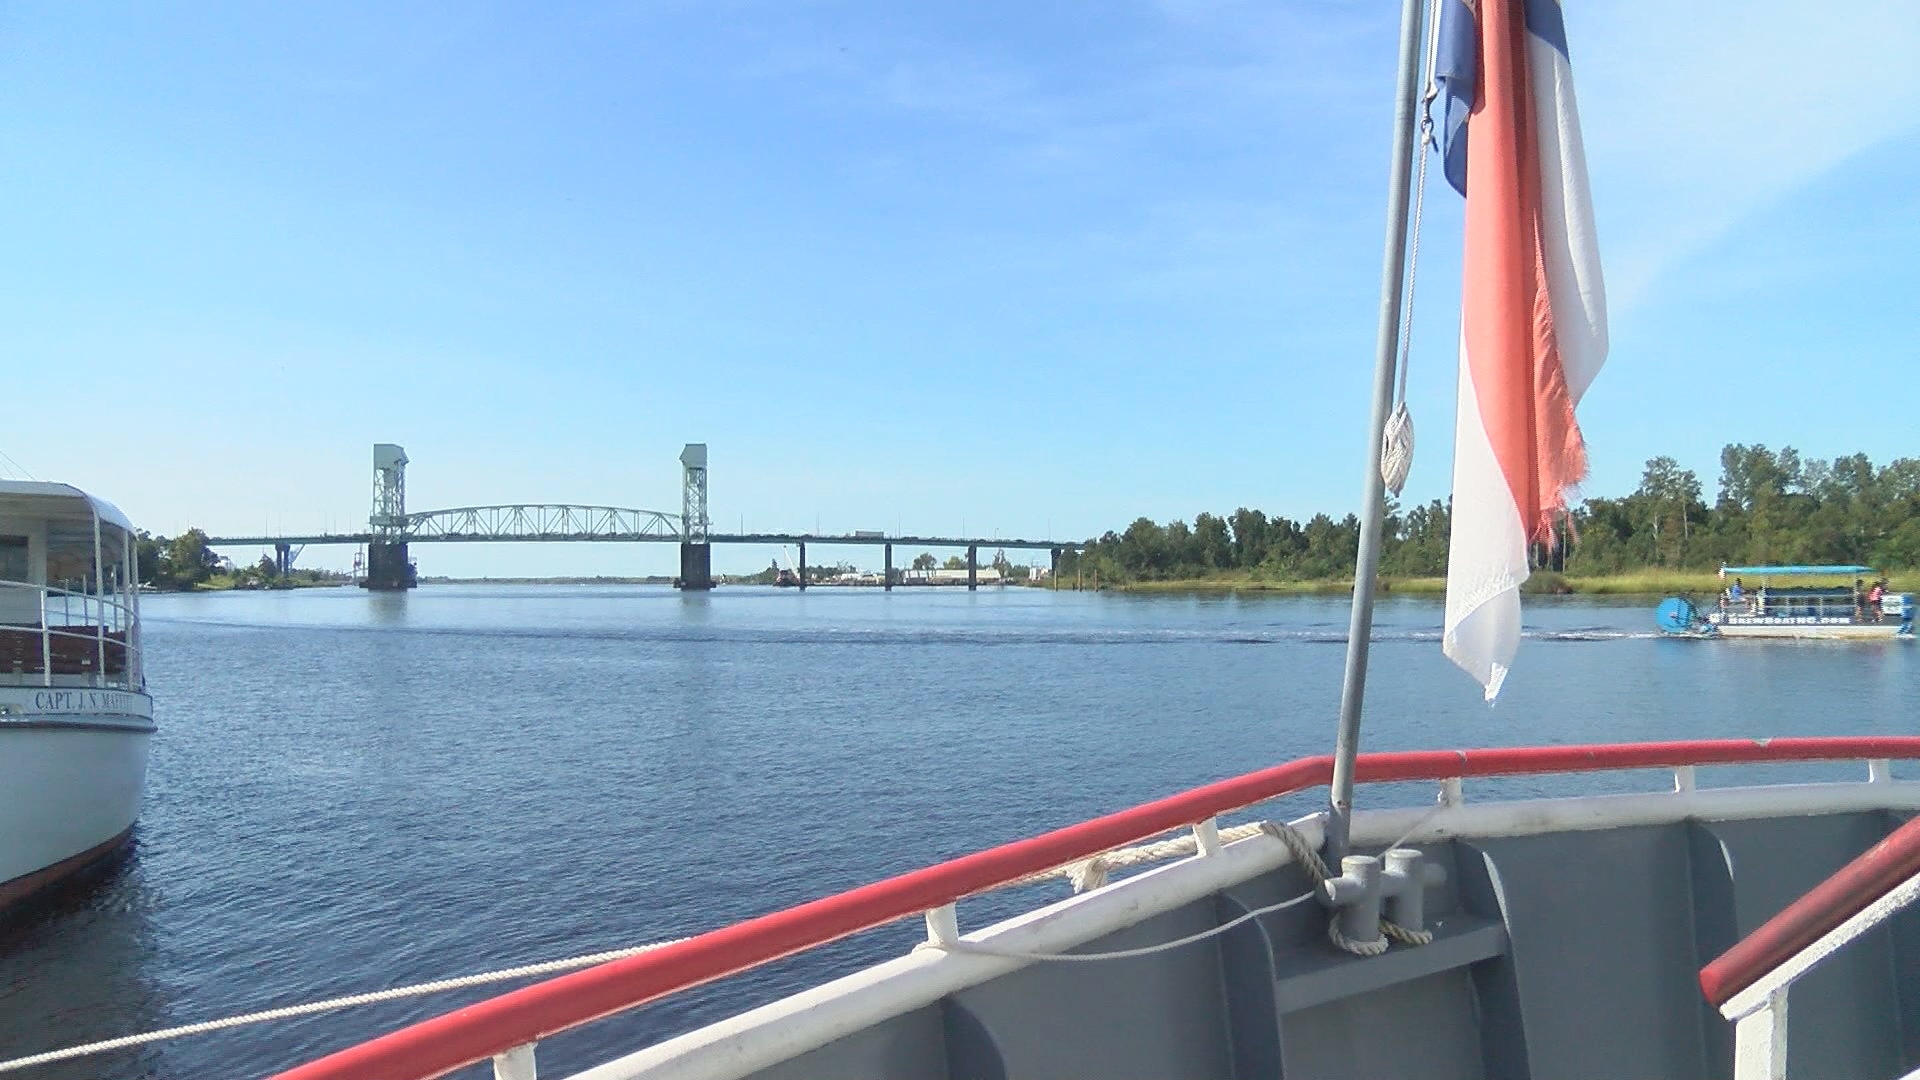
[353,791]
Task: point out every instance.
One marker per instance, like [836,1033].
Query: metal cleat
[1405,882]
[1355,896]
[1365,885]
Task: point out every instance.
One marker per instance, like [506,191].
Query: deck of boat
[1569,936]
[1564,946]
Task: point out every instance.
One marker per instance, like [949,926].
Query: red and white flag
[1533,324]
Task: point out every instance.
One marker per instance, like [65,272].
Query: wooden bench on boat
[75,650]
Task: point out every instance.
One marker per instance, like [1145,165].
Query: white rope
[1316,869]
[1303,853]
[329,1005]
[1089,874]
[1396,450]
[16,466]
[983,949]
[1083,875]
[1438,807]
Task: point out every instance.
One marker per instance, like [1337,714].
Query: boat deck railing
[1749,983]
[75,637]
[506,1028]
[1811,604]
[1795,605]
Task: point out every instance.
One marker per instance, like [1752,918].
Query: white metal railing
[108,621]
[1751,981]
[1762,602]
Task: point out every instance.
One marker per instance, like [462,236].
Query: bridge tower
[388,568]
[696,554]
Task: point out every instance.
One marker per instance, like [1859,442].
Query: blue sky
[1003,268]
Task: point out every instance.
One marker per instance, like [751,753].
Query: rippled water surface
[352,791]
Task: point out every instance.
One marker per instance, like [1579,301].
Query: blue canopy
[1763,571]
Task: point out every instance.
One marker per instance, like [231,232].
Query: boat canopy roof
[39,498]
[1788,571]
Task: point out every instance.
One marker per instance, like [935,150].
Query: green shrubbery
[1771,508]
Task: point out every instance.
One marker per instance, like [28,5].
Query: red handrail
[1849,891]
[444,1043]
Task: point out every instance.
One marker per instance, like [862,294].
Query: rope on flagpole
[1396,453]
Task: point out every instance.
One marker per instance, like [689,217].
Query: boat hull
[71,779]
[1810,630]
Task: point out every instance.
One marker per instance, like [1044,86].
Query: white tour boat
[1836,603]
[75,717]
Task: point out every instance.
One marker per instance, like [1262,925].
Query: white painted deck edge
[741,1045]
[1755,997]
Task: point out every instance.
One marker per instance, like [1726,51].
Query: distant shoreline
[1643,583]
[227,583]
[562,580]
[1636,583]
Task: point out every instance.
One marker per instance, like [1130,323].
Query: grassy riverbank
[1248,583]
[1637,583]
[251,580]
[601,579]
[1681,582]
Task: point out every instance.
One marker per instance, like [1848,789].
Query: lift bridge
[392,528]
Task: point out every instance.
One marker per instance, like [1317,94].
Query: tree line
[184,562]
[176,563]
[822,572]
[1771,507]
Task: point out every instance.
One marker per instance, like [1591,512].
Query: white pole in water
[1373,508]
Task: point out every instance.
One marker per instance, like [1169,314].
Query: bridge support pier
[282,559]
[803,564]
[696,567]
[973,567]
[388,568]
[1053,568]
[887,576]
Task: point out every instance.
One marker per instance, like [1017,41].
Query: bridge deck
[824,540]
[566,523]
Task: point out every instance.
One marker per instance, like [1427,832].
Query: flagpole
[1373,509]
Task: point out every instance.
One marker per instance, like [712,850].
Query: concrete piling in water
[388,569]
[696,567]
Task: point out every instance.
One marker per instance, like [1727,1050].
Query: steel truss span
[541,522]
